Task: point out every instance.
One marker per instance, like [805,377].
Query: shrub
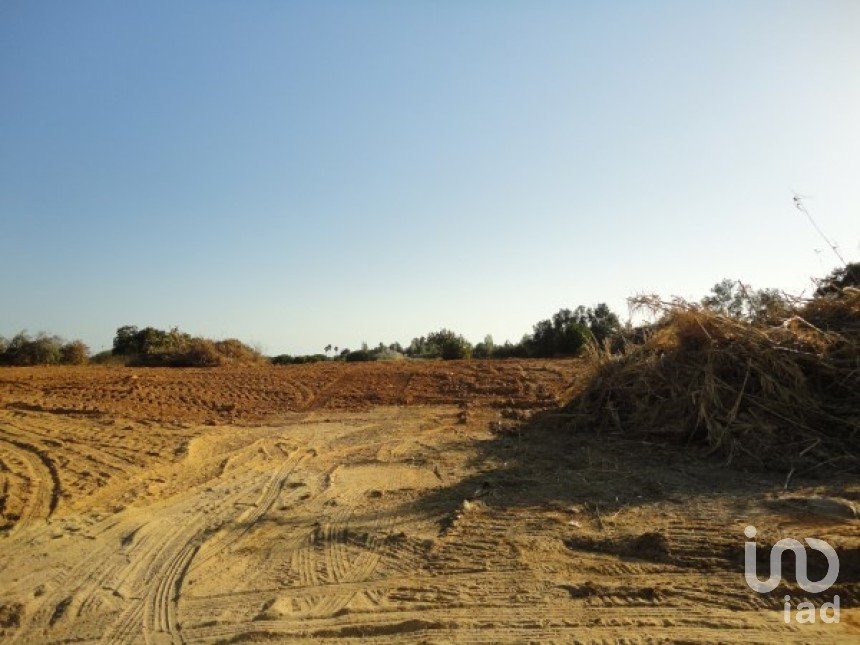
[286,359]
[485,348]
[358,356]
[601,321]
[309,358]
[148,341]
[234,350]
[157,341]
[387,354]
[511,350]
[847,276]
[418,348]
[44,349]
[126,342]
[564,334]
[41,350]
[74,353]
[156,347]
[734,299]
[449,345]
[107,357]
[197,352]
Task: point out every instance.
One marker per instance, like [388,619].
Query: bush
[126,341]
[286,359]
[563,335]
[734,299]
[107,357]
[235,351]
[44,349]
[847,276]
[74,353]
[387,354]
[485,348]
[197,352]
[448,345]
[148,341]
[23,350]
[155,347]
[511,350]
[601,321]
[417,348]
[359,355]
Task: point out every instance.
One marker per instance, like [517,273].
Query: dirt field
[428,502]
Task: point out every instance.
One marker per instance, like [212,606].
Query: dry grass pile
[783,396]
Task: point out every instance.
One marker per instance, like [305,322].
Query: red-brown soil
[253,394]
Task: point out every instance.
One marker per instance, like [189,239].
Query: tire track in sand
[155,612]
[29,463]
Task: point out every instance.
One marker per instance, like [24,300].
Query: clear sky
[297,174]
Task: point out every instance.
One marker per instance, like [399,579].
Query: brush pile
[783,395]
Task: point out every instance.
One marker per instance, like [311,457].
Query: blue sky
[297,174]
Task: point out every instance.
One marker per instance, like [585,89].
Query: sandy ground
[408,502]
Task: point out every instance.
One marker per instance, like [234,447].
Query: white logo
[789,544]
[805,610]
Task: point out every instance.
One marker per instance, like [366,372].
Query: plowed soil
[249,394]
[429,502]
